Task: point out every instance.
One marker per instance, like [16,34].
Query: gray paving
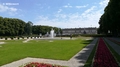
[76,61]
[113,45]
[116,39]
[80,58]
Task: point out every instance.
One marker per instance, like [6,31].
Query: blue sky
[58,13]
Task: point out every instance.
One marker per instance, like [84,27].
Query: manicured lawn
[58,49]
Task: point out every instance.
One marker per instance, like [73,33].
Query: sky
[56,13]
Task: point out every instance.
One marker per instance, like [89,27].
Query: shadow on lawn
[87,41]
[83,56]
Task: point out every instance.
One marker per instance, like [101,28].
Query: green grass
[90,58]
[14,50]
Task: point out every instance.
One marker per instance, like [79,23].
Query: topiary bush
[18,38]
[12,38]
[22,37]
[27,37]
[1,37]
[6,38]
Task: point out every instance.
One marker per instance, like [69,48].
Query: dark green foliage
[12,38]
[17,27]
[1,37]
[109,21]
[27,37]
[22,37]
[6,38]
[28,28]
[11,26]
[38,29]
[18,38]
[95,35]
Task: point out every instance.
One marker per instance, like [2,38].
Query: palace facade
[69,31]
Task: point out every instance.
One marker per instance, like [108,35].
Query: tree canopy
[18,27]
[38,29]
[11,26]
[110,20]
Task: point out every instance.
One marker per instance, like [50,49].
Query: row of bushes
[86,35]
[74,35]
[16,37]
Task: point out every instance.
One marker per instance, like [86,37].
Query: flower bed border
[38,64]
[103,56]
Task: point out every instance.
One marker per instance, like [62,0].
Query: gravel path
[76,61]
[2,42]
[27,40]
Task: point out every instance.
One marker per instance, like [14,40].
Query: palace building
[69,31]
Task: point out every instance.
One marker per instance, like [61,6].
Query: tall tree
[11,26]
[28,28]
[110,21]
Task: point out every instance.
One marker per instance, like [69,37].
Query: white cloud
[71,20]
[68,6]
[62,16]
[7,9]
[13,9]
[81,6]
[104,3]
[89,17]
[60,10]
[90,9]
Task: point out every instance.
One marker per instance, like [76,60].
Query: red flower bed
[36,64]
[103,57]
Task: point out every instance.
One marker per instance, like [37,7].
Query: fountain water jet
[51,36]
[52,33]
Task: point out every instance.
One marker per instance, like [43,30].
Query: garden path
[103,56]
[113,45]
[26,40]
[2,42]
[116,38]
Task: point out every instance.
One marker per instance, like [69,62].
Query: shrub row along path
[103,56]
[76,61]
